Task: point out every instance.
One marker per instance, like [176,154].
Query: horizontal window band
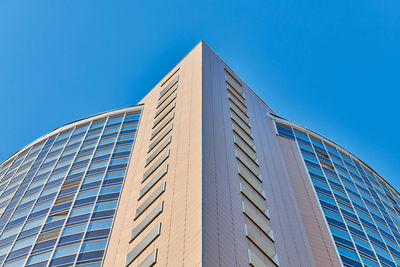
[153,181]
[238,96]
[248,157]
[162,125]
[241,124]
[248,139]
[159,149]
[169,86]
[242,115]
[143,244]
[254,183]
[146,221]
[165,105]
[234,85]
[148,201]
[233,76]
[240,105]
[166,96]
[250,152]
[165,81]
[261,245]
[254,260]
[160,137]
[166,112]
[65,199]
[257,220]
[245,161]
[155,165]
[150,260]
[44,236]
[260,205]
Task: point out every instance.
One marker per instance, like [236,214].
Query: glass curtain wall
[361,209]
[59,195]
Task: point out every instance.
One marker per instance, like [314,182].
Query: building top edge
[329,141]
[230,70]
[59,129]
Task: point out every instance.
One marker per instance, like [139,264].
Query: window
[23,243]
[39,257]
[122,148]
[96,245]
[106,206]
[98,164]
[110,189]
[81,210]
[32,224]
[114,174]
[67,250]
[57,217]
[284,130]
[100,225]
[74,229]
[102,152]
[119,161]
[89,193]
[114,119]
[10,232]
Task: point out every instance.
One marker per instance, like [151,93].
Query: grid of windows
[361,209]
[58,196]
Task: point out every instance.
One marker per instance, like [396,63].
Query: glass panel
[96,245]
[100,225]
[106,206]
[43,191]
[74,229]
[39,257]
[68,250]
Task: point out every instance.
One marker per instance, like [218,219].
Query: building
[200,173]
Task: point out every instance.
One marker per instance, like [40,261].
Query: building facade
[200,173]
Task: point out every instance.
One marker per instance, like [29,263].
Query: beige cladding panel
[177,187]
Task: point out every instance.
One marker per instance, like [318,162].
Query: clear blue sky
[332,66]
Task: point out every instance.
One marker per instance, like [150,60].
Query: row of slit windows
[67,191]
[351,198]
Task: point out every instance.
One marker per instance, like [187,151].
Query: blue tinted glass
[106,206]
[100,225]
[110,189]
[66,250]
[42,201]
[74,229]
[81,210]
[39,257]
[95,245]
[353,188]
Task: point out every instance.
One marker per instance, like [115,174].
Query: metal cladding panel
[224,240]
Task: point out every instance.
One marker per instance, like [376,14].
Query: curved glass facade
[361,209]
[58,195]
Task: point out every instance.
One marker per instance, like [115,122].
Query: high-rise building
[200,173]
